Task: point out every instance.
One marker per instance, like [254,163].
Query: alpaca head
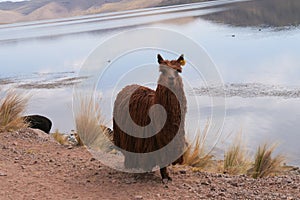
[170,70]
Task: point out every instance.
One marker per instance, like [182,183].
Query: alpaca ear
[181,60]
[159,58]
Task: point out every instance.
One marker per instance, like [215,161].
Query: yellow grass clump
[60,138]
[88,119]
[196,155]
[12,107]
[264,165]
[236,160]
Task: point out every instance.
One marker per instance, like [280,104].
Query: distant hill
[11,12]
[275,13]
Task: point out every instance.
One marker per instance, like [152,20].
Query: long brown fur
[140,102]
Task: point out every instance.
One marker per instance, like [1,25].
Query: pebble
[3,174]
[235,184]
[93,159]
[289,180]
[138,197]
[204,183]
[130,181]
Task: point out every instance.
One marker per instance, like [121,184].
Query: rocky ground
[33,166]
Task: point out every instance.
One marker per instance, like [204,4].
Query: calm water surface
[259,65]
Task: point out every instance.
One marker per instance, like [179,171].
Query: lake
[256,58]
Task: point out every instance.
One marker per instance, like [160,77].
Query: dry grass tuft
[12,107]
[88,120]
[60,138]
[264,164]
[236,159]
[196,155]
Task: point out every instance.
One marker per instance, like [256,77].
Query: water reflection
[270,13]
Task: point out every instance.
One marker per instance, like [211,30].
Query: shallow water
[258,65]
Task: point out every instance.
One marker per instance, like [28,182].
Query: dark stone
[38,122]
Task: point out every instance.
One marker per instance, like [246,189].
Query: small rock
[138,197]
[22,166]
[127,181]
[113,181]
[204,183]
[14,143]
[70,147]
[3,174]
[289,181]
[182,171]
[93,159]
[235,184]
[222,194]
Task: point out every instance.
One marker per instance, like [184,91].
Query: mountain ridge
[12,12]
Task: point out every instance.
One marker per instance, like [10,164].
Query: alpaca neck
[172,99]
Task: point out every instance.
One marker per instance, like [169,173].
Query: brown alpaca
[169,94]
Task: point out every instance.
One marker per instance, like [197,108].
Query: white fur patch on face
[168,72]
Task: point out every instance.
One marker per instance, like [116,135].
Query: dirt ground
[34,166]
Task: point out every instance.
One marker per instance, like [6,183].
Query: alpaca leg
[165,175]
[130,162]
[178,161]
